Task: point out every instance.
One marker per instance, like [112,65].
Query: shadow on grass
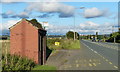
[48,52]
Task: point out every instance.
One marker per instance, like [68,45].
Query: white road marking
[77,65]
[99,55]
[95,52]
[110,62]
[116,67]
[94,64]
[90,64]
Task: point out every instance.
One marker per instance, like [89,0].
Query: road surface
[90,56]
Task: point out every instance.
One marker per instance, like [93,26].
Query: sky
[61,17]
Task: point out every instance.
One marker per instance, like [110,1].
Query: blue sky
[93,17]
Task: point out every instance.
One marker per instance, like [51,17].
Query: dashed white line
[116,67]
[95,52]
[110,62]
[94,64]
[100,56]
[90,64]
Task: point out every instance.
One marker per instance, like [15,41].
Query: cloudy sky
[82,17]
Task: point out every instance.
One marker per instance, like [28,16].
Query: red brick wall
[24,40]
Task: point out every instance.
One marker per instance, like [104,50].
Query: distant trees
[114,37]
[70,35]
[4,37]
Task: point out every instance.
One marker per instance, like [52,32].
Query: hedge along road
[84,58]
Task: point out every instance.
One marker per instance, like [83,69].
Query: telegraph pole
[74,27]
[113,31]
[74,22]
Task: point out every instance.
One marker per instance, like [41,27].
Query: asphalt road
[90,56]
[107,50]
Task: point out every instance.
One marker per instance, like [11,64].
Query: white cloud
[23,15]
[88,27]
[91,27]
[88,24]
[9,12]
[10,1]
[51,7]
[93,12]
[8,24]
[0,26]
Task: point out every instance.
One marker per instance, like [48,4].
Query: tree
[114,37]
[36,23]
[70,35]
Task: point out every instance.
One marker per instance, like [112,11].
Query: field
[4,46]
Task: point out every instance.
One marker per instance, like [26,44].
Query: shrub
[70,35]
[14,62]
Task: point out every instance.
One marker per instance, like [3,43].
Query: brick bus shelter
[28,39]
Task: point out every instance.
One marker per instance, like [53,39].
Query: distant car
[93,40]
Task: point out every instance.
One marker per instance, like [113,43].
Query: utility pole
[113,31]
[74,27]
[74,22]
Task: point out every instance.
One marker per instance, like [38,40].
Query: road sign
[57,43]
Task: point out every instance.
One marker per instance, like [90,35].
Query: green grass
[44,67]
[64,44]
[73,44]
[54,51]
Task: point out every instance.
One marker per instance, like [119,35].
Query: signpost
[57,43]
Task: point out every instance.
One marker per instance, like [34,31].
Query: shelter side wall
[24,40]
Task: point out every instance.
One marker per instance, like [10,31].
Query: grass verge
[64,44]
[44,67]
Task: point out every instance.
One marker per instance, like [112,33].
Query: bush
[13,62]
[70,35]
